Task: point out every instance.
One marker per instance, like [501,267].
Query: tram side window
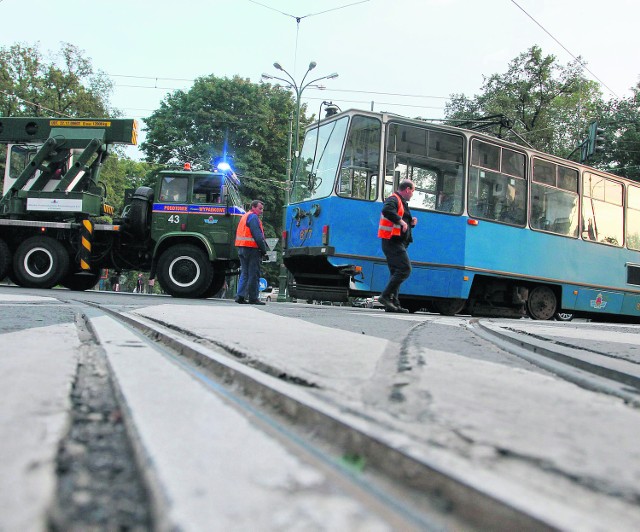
[174,189]
[432,160]
[554,198]
[360,166]
[497,185]
[633,217]
[602,211]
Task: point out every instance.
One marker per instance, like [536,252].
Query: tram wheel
[449,307]
[542,303]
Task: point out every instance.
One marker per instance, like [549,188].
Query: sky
[400,56]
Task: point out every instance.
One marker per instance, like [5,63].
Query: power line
[580,62]
[298,19]
[33,103]
[333,89]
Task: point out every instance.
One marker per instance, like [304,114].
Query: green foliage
[620,119]
[546,103]
[62,83]
[119,174]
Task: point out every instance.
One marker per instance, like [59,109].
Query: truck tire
[40,262]
[5,259]
[184,270]
[81,281]
[140,212]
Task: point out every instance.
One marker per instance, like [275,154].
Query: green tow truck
[53,215]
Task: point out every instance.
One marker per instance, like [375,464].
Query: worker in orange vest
[251,248]
[394,231]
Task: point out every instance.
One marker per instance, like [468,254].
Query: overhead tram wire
[580,62]
[311,87]
[38,105]
[332,90]
[298,19]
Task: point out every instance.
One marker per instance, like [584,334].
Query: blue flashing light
[225,167]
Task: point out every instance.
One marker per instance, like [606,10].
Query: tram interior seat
[561,225]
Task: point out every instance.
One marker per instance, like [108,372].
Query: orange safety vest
[387,228]
[244,238]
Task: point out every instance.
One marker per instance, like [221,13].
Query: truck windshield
[174,189]
[319,161]
[208,188]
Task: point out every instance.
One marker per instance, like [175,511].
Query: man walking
[251,248]
[395,228]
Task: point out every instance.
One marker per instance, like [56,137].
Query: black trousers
[399,266]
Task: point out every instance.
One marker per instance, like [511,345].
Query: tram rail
[379,466]
[592,369]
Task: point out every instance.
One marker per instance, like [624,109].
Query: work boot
[387,304]
[396,302]
[241,300]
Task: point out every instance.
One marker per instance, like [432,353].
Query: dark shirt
[390,211]
[253,222]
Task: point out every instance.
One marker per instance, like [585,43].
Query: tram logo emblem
[211,220]
[598,303]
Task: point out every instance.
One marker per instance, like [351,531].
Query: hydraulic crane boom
[67,162]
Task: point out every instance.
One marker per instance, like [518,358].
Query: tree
[620,119]
[62,84]
[121,173]
[244,122]
[546,103]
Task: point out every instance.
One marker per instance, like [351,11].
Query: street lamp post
[298,90]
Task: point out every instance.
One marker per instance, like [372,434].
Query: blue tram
[502,230]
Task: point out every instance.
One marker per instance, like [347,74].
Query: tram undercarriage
[315,279]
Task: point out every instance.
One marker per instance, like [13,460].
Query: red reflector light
[325,235]
[183,227]
[187,166]
[472,222]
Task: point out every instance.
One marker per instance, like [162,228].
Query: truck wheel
[81,281]
[40,262]
[140,212]
[5,259]
[184,271]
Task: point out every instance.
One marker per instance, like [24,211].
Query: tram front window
[319,161]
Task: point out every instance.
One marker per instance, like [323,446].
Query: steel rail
[397,475]
[588,369]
